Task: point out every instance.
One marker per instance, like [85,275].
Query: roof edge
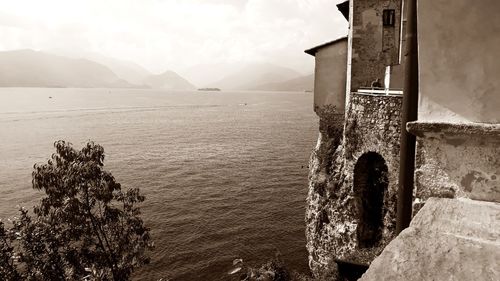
[314,50]
[344,9]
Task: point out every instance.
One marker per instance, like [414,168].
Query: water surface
[224,173]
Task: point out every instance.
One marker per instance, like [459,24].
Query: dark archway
[370,184]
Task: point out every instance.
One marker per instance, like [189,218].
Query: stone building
[455,231]
[353,180]
[351,203]
[375,29]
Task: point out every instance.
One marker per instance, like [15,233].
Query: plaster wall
[330,77]
[397,77]
[458,60]
[397,71]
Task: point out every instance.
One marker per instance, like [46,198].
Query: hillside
[126,70]
[28,68]
[135,73]
[168,80]
[251,76]
[304,83]
[204,75]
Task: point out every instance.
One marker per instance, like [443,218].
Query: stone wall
[373,45]
[335,204]
[456,161]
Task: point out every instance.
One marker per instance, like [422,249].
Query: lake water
[224,173]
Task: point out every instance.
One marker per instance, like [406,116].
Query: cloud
[173,34]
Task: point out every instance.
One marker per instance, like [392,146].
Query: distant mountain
[253,75]
[28,68]
[138,75]
[205,74]
[124,69]
[127,70]
[168,80]
[133,72]
[304,83]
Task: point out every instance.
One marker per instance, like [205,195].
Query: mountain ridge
[299,84]
[168,80]
[30,68]
[251,75]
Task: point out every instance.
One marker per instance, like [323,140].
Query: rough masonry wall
[332,215]
[373,46]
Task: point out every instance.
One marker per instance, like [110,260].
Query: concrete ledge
[422,128]
[449,239]
[379,95]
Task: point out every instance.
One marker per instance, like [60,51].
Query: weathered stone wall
[334,209]
[457,161]
[373,45]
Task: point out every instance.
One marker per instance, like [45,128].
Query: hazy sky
[175,34]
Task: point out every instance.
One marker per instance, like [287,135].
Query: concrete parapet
[449,239]
[456,160]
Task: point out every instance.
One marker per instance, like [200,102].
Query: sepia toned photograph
[249,140]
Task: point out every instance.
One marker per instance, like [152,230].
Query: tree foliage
[85,227]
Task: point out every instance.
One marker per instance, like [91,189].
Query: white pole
[387,79]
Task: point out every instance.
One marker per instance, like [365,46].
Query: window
[389,17]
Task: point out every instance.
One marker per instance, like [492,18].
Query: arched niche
[370,185]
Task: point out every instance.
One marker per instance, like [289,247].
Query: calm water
[224,174]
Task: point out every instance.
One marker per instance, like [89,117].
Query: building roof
[344,9]
[314,50]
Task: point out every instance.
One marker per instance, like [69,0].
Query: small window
[389,17]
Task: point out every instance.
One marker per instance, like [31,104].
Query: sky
[175,34]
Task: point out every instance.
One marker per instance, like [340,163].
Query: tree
[85,227]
